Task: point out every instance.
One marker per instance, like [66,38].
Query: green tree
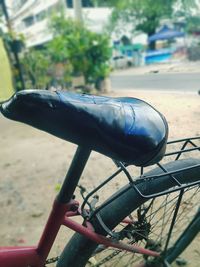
[145,15]
[186,10]
[193,24]
[35,68]
[73,51]
[86,52]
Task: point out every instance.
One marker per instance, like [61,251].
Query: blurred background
[76,44]
[139,48]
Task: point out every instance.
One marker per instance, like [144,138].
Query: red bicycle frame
[63,208]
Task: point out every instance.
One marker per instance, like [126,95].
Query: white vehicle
[120,62]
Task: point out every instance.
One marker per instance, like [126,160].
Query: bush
[73,51]
[35,65]
[194,53]
[86,52]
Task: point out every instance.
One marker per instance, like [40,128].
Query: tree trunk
[103,85]
[152,45]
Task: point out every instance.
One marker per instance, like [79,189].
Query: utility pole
[15,54]
[77,4]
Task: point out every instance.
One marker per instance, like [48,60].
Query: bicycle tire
[79,249]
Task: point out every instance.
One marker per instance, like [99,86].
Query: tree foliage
[73,51]
[145,15]
[193,24]
[186,10]
[35,65]
[87,52]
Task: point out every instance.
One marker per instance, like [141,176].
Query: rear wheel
[152,224]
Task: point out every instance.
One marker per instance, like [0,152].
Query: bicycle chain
[55,259]
[108,258]
[51,260]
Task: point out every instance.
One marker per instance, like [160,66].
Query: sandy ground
[32,162]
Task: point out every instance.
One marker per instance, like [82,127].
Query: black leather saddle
[125,129]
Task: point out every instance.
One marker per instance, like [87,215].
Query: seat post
[73,175]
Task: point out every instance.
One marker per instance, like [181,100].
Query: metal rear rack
[186,145]
[192,141]
[175,149]
[192,145]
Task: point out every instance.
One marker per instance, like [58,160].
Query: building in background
[31,17]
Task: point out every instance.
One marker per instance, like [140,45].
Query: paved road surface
[183,82]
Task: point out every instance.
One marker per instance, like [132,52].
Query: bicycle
[143,216]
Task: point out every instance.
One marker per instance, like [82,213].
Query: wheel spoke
[159,215]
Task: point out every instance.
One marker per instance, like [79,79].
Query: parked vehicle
[120,62]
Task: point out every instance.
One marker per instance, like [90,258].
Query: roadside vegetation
[145,15]
[74,53]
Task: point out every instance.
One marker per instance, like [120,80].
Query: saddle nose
[27,101]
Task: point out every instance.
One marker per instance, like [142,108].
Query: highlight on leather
[126,129]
